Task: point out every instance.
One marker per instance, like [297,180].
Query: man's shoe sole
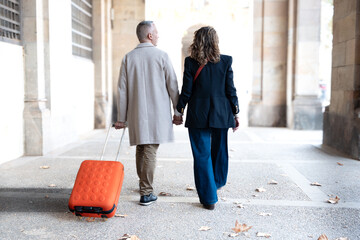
[147,204]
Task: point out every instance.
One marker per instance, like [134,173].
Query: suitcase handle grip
[106,141]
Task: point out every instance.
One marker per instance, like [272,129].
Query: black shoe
[209,206]
[147,199]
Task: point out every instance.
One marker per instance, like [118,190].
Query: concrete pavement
[33,201]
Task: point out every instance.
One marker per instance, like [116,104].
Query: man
[146,81]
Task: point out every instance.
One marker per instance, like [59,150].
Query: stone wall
[268,104]
[11,101]
[342,117]
[126,16]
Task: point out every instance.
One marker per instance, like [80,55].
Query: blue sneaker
[147,199]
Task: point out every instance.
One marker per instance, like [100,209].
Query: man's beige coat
[146,84]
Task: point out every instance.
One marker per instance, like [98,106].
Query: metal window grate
[10,20]
[82,28]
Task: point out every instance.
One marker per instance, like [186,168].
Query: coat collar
[145,44]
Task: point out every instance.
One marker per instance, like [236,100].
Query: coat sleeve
[186,89]
[230,89]
[171,81]
[122,93]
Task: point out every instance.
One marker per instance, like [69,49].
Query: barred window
[10,21]
[82,28]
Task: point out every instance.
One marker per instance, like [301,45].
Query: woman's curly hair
[205,46]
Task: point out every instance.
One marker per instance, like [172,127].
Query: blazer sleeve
[122,93]
[171,81]
[186,89]
[230,90]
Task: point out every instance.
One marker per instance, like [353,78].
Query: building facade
[59,63]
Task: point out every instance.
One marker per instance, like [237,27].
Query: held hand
[177,120]
[119,125]
[237,124]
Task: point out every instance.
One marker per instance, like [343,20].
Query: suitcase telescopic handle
[106,141]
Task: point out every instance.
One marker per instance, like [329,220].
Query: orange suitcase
[97,186]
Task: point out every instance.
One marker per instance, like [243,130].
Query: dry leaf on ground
[260,234]
[129,237]
[340,164]
[44,167]
[260,189]
[204,228]
[323,237]
[240,205]
[121,215]
[190,189]
[334,200]
[264,214]
[241,227]
[273,182]
[164,194]
[315,184]
[52,185]
[90,219]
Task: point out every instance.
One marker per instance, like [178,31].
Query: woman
[212,108]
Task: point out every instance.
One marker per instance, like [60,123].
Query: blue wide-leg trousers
[210,151]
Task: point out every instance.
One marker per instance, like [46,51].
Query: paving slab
[33,201]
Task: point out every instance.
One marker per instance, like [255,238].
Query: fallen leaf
[254,195]
[190,188]
[121,215]
[204,228]
[340,164]
[240,205]
[129,237]
[52,185]
[46,196]
[241,227]
[90,219]
[164,194]
[44,167]
[260,189]
[315,184]
[260,234]
[334,200]
[273,182]
[233,235]
[264,214]
[323,237]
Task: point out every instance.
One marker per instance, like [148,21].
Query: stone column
[268,104]
[35,24]
[101,23]
[126,15]
[342,117]
[304,105]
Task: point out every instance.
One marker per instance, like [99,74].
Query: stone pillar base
[261,115]
[37,128]
[307,113]
[342,133]
[101,112]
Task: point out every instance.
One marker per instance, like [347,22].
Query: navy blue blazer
[212,100]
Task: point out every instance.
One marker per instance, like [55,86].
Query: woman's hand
[237,124]
[177,120]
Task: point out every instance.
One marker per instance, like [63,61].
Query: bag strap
[198,72]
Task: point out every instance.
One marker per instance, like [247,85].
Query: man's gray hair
[143,29]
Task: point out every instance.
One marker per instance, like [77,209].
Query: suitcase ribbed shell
[97,188]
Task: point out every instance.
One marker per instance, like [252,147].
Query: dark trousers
[210,151]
